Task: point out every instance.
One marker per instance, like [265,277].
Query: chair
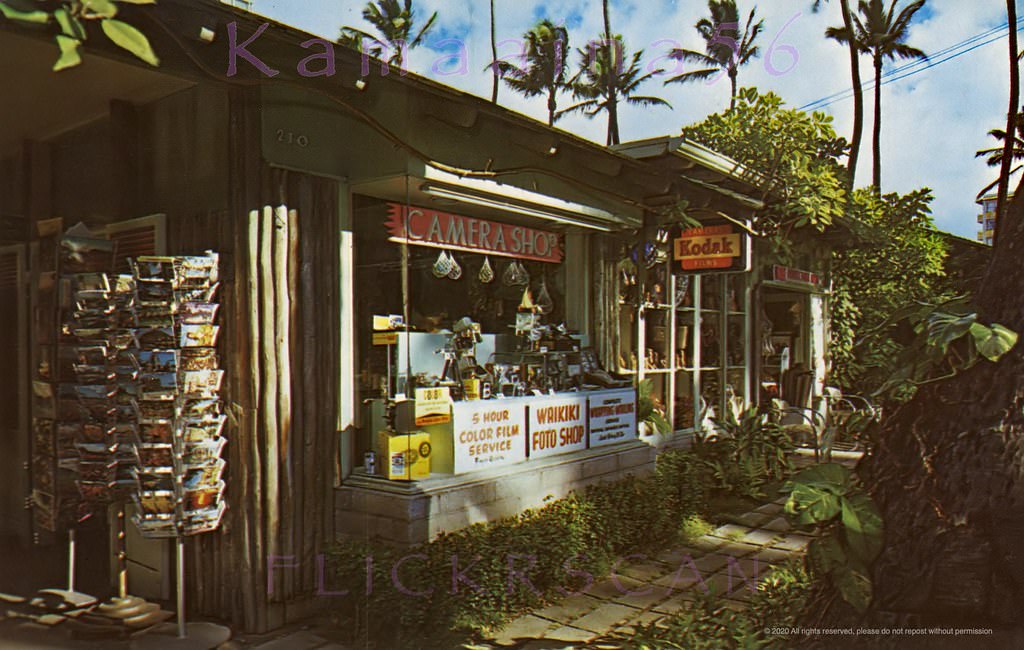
[842,411]
[793,412]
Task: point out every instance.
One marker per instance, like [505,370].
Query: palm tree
[1011,118]
[543,70]
[995,156]
[494,57]
[603,80]
[858,91]
[611,93]
[394,24]
[726,50]
[882,34]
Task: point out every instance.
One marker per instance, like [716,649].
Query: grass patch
[693,528]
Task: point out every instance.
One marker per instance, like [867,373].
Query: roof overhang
[697,165]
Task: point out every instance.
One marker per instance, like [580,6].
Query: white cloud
[934,121]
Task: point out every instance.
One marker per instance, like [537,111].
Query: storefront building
[433,312]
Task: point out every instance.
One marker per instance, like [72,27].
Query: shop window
[467,315]
[687,335]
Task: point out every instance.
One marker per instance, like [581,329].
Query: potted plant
[649,411]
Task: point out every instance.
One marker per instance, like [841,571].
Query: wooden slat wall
[279,345]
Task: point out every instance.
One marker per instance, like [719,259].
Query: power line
[917,62]
[904,71]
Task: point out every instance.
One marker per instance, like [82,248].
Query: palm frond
[695,75]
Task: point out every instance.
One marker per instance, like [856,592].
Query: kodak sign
[710,247]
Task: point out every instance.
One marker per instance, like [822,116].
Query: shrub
[481,576]
[781,596]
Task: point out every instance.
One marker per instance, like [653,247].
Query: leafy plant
[705,625]
[68,21]
[781,596]
[938,341]
[796,156]
[749,451]
[649,408]
[898,259]
[693,528]
[827,498]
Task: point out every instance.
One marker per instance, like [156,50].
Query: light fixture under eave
[497,204]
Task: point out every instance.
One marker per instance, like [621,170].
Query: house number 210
[291,138]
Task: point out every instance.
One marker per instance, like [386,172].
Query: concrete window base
[405,514]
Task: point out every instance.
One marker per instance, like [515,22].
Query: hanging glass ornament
[508,278]
[524,275]
[456,271]
[443,266]
[545,304]
[486,272]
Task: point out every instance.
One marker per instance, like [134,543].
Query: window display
[476,308]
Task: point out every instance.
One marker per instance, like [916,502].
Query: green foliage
[649,409]
[693,528]
[900,259]
[705,625]
[67,21]
[849,525]
[793,157]
[781,596]
[750,451]
[559,548]
[931,341]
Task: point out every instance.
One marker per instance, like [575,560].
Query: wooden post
[282,342]
[253,501]
[268,400]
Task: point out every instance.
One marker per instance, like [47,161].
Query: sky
[933,120]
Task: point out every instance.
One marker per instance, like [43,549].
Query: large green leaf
[102,8]
[37,17]
[862,526]
[69,56]
[131,39]
[69,25]
[828,476]
[813,505]
[944,328]
[854,585]
[993,342]
[826,554]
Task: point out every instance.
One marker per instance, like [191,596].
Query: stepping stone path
[728,561]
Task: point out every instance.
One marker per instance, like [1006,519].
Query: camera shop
[475,342]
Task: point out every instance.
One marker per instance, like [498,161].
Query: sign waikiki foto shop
[426,227]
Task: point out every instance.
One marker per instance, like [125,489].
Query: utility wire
[920,65]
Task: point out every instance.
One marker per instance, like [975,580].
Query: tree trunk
[1011,120]
[946,474]
[552,105]
[612,73]
[876,142]
[858,94]
[732,81]
[494,57]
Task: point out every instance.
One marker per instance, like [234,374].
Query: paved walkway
[728,562]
